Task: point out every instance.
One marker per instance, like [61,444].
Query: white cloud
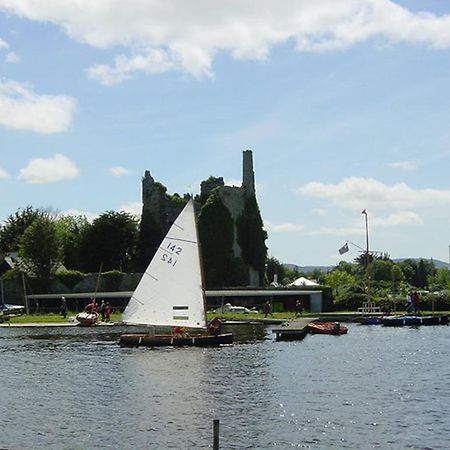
[233,182]
[283,227]
[119,171]
[320,211]
[395,219]
[50,170]
[22,109]
[90,216]
[402,218]
[3,174]
[12,58]
[187,34]
[3,44]
[359,193]
[407,166]
[152,62]
[134,208]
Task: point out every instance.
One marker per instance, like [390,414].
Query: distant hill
[437,263]
[305,269]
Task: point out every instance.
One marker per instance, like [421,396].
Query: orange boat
[327,328]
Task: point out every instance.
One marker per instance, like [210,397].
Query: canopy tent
[302,281]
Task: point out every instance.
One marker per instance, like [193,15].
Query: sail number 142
[171,256]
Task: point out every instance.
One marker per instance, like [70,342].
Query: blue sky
[345,105]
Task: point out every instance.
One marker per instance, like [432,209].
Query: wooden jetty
[294,330]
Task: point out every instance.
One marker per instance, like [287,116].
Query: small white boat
[86,319]
[12,310]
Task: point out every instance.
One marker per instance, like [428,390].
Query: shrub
[113,280]
[70,278]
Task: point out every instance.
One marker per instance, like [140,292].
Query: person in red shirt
[108,311]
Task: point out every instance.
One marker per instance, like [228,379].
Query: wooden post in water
[216,434]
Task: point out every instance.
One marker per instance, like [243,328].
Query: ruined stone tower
[164,211]
[248,176]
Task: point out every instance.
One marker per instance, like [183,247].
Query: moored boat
[327,328]
[86,319]
[371,320]
[405,320]
[198,340]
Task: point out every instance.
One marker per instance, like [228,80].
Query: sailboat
[171,294]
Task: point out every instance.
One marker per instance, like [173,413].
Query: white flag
[343,249]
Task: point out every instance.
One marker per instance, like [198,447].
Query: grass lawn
[115,317]
[51,318]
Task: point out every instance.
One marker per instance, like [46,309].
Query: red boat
[327,328]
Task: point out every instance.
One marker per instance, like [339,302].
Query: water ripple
[373,388]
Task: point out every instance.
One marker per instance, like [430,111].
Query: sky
[345,105]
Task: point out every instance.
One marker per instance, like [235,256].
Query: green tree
[417,272]
[440,280]
[109,242]
[274,267]
[70,231]
[348,267]
[425,269]
[397,278]
[252,236]
[40,248]
[381,270]
[216,231]
[15,225]
[338,278]
[150,236]
[409,269]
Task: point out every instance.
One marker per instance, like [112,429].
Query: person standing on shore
[108,310]
[267,309]
[103,310]
[408,304]
[415,300]
[298,308]
[63,307]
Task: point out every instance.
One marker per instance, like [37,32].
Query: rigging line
[363,249]
[357,246]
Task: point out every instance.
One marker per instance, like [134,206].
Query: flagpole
[367,256]
[367,236]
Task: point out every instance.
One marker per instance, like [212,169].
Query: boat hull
[146,340]
[292,335]
[371,320]
[400,321]
[327,328]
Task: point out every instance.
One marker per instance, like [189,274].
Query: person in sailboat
[179,332]
[215,326]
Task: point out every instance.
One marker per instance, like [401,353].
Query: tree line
[46,241]
[380,280]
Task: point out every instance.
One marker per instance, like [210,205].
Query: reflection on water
[373,388]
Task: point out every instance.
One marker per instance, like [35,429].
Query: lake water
[375,387]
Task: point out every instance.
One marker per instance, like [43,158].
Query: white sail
[170,292]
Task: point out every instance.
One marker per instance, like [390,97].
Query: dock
[294,330]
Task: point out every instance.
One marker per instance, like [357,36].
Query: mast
[201,264]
